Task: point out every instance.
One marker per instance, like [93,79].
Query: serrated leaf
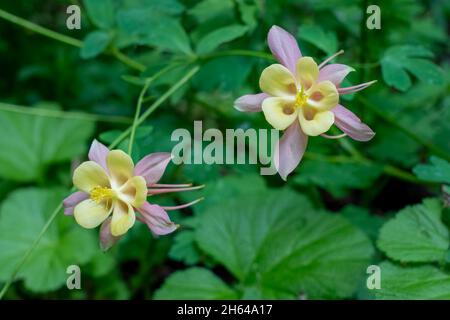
[399,59]
[34,142]
[184,248]
[95,43]
[437,171]
[276,241]
[195,284]
[101,12]
[325,41]
[418,283]
[147,27]
[22,217]
[416,234]
[217,37]
[337,178]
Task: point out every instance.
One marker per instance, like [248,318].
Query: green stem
[156,104]
[66,39]
[29,251]
[136,115]
[394,122]
[247,53]
[62,114]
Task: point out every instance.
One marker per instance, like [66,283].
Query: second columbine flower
[302,98]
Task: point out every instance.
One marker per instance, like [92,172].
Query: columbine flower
[112,189]
[302,98]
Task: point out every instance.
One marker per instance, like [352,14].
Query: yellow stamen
[300,98]
[99,194]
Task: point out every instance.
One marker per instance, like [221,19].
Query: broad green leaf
[413,283]
[398,60]
[95,43]
[325,41]
[276,241]
[209,9]
[35,142]
[147,27]
[438,170]
[101,12]
[195,284]
[361,218]
[337,178]
[22,216]
[184,248]
[217,37]
[416,234]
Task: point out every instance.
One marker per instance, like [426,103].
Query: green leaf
[416,234]
[209,9]
[418,283]
[217,37]
[184,248]
[101,12]
[399,59]
[361,218]
[337,178]
[95,43]
[34,142]
[437,171]
[195,284]
[276,241]
[325,41]
[146,27]
[22,217]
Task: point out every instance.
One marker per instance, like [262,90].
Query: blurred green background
[347,206]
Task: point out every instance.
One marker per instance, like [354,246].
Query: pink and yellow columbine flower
[302,98]
[112,190]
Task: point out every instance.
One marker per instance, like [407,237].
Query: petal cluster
[302,98]
[112,189]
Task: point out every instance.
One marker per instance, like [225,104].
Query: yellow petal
[90,214]
[123,218]
[319,123]
[307,72]
[89,175]
[323,96]
[134,191]
[279,112]
[120,167]
[278,81]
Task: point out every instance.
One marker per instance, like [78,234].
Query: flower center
[98,194]
[300,99]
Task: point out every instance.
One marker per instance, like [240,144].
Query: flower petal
[98,153]
[106,239]
[278,81]
[120,167]
[71,201]
[307,72]
[134,191]
[323,96]
[320,123]
[279,112]
[350,124]
[334,72]
[157,219]
[290,149]
[356,88]
[90,214]
[89,175]
[284,47]
[250,102]
[123,218]
[152,167]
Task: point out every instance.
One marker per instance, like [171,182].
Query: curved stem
[136,115]
[156,104]
[66,39]
[62,114]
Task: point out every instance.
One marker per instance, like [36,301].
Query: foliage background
[348,205]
